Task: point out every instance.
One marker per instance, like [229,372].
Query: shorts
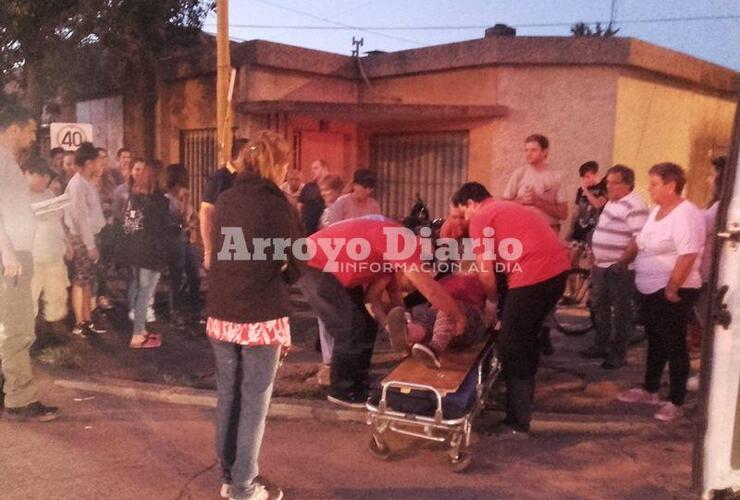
[85,270]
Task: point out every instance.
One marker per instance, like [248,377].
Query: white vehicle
[717,450]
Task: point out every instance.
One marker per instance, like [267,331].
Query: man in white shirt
[612,276]
[536,185]
[359,202]
[17,232]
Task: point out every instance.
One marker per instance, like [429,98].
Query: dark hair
[589,166]
[237,147]
[470,191]
[37,166]
[669,172]
[365,178]
[626,173]
[176,175]
[539,139]
[56,151]
[154,168]
[121,151]
[85,153]
[13,113]
[333,182]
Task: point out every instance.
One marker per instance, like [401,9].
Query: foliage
[90,44]
[583,29]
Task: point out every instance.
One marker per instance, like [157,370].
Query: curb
[322,411]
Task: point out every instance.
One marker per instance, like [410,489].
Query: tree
[583,29]
[111,44]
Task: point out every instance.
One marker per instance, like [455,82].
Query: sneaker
[594,352]
[505,432]
[426,354]
[692,384]
[396,326]
[639,395]
[668,412]
[81,330]
[261,493]
[350,401]
[225,490]
[96,327]
[34,411]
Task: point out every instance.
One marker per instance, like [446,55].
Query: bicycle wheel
[573,312]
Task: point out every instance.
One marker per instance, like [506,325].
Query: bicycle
[573,315]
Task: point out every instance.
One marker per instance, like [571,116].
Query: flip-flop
[149,342]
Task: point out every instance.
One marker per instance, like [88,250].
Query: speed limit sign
[69,136]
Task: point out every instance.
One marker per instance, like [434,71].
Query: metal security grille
[432,165]
[199,153]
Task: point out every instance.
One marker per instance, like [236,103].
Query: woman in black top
[147,235]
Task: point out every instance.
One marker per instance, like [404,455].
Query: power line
[336,23]
[342,26]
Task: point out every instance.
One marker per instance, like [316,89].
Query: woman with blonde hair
[247,308]
[147,237]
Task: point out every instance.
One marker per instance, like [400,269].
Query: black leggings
[665,326]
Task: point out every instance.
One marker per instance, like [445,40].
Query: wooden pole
[223,77]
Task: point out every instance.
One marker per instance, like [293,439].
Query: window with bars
[430,165]
[199,153]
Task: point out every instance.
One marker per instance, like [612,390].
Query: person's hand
[584,186]
[69,253]
[619,266]
[672,295]
[94,254]
[11,266]
[527,198]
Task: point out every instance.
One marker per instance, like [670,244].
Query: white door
[717,452]
[106,117]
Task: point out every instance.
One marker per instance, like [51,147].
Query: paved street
[107,447]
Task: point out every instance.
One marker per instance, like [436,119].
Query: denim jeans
[141,287]
[612,293]
[244,378]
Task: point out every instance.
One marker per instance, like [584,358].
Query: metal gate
[199,153]
[432,165]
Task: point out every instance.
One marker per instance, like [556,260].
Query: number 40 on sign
[69,136]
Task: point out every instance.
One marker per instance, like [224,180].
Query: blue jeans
[244,378]
[141,288]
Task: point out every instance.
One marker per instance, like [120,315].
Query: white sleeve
[689,233]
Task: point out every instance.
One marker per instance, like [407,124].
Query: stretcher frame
[456,432]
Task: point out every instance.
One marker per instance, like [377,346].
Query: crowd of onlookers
[79,222]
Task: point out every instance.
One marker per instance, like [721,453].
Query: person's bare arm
[438,297]
[596,201]
[680,272]
[207,212]
[374,297]
[557,210]
[487,278]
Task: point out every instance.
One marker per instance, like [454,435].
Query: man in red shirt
[359,258]
[518,243]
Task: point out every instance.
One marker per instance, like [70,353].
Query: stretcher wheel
[378,448]
[461,462]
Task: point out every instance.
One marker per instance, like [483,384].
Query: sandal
[149,341]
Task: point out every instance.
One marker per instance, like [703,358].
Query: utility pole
[224,82]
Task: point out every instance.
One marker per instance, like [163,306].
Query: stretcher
[434,404]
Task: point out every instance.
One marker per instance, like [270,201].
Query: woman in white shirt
[667,277]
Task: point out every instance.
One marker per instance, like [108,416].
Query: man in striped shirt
[612,277]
